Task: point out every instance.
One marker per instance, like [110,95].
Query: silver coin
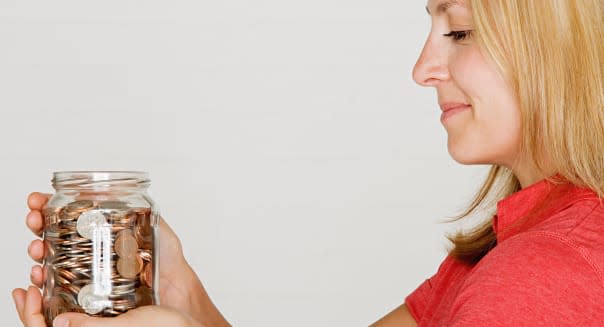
[88,222]
[89,301]
[114,205]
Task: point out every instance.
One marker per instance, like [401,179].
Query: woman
[521,87]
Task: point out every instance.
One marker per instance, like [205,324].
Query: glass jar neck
[100,180]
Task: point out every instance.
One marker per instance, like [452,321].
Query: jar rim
[99,179]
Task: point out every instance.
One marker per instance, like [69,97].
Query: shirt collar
[539,201]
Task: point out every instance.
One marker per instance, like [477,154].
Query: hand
[180,288]
[29,307]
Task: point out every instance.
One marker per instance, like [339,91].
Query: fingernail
[60,322]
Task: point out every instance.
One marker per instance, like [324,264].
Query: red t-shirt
[546,270]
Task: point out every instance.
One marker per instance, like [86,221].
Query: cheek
[470,72]
[492,134]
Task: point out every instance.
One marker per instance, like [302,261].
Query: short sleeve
[532,279]
[418,300]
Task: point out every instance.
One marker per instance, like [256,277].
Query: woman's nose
[431,66]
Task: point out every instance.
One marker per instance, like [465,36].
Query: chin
[466,156]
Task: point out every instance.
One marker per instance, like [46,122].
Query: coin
[88,222]
[89,301]
[146,275]
[125,244]
[144,221]
[114,205]
[129,267]
[51,216]
[146,255]
[48,249]
[56,305]
[67,216]
[144,296]
[79,205]
[144,230]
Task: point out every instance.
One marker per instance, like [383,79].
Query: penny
[79,205]
[88,222]
[89,301]
[145,255]
[49,249]
[125,244]
[67,216]
[129,267]
[56,306]
[51,216]
[146,275]
[144,296]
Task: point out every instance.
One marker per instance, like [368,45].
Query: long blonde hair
[552,54]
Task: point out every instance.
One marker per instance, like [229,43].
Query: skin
[487,133]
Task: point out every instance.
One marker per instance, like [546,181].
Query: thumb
[79,319]
[149,316]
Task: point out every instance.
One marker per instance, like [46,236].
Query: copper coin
[146,255]
[147,275]
[79,205]
[49,250]
[125,244]
[144,296]
[55,306]
[129,267]
[144,221]
[51,216]
[67,216]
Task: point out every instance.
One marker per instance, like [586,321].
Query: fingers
[29,306]
[35,222]
[19,299]
[37,200]
[37,276]
[36,250]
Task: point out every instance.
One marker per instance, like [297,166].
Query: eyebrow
[444,6]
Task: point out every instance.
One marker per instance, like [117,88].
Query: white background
[305,172]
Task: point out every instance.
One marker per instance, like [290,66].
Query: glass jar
[100,236]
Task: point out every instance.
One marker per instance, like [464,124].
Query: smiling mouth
[449,112]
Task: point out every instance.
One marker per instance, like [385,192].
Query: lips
[450,109]
[453,105]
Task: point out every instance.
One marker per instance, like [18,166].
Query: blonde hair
[552,54]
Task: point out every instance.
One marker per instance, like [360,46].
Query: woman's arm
[399,317]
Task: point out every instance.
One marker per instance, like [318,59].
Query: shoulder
[579,226]
[536,276]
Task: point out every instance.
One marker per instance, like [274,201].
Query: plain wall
[305,172]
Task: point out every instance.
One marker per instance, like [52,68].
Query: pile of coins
[98,258]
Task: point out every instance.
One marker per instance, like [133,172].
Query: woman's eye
[458,35]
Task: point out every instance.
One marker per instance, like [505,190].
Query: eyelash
[458,35]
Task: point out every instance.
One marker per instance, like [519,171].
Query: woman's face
[487,129]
